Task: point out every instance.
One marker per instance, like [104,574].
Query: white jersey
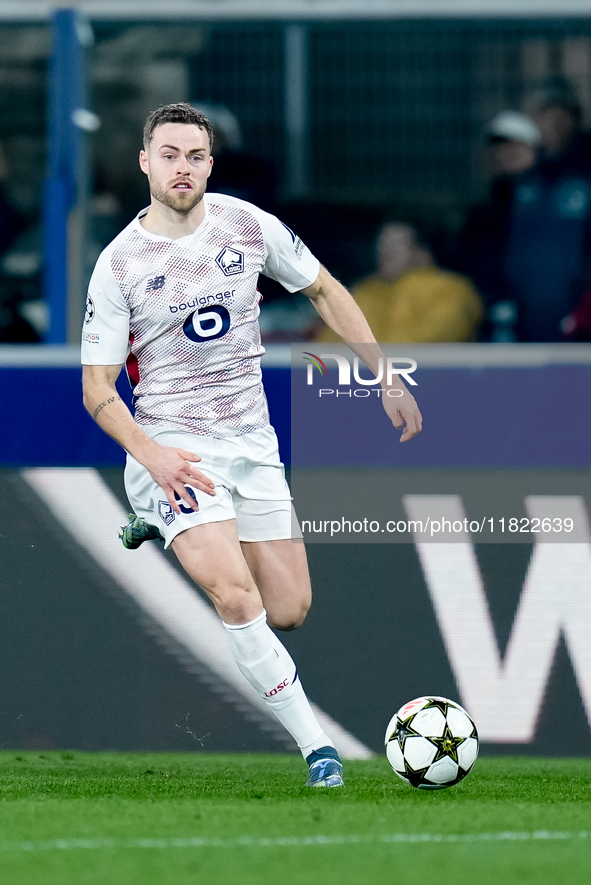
[184,314]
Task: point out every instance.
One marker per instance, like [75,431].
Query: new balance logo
[155,283]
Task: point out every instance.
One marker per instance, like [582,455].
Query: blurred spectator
[558,115]
[409,298]
[15,327]
[106,213]
[512,140]
[577,325]
[548,250]
[237,172]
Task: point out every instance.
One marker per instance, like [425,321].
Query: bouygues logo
[388,368]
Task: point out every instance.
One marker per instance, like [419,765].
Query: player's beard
[183,201]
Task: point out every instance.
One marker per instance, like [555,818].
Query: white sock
[269,668]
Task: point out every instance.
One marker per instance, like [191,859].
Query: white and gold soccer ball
[431,743]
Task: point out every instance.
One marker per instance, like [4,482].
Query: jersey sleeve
[288,260]
[105,333]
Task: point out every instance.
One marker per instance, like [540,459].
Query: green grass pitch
[170,819]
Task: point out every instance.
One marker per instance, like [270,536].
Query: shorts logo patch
[165,512]
[230,261]
[91,337]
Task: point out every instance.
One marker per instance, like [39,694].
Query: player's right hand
[403,411]
[173,470]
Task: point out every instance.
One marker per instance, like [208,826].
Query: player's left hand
[403,411]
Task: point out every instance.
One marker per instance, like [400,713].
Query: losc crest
[230,261]
[165,512]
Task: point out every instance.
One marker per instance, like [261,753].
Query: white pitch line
[295,841]
[82,503]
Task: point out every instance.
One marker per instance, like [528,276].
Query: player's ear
[210,166]
[144,165]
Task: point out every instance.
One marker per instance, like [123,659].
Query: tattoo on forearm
[101,406]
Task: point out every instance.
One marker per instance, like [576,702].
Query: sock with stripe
[270,669]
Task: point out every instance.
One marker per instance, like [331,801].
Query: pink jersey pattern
[189,309]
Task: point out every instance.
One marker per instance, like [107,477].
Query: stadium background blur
[350,115]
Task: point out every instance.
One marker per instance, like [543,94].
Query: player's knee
[233,602]
[289,619]
[287,624]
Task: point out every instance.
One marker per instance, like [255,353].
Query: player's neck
[167,222]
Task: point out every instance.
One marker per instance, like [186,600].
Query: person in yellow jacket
[410,299]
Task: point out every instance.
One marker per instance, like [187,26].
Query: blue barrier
[520,415]
[487,417]
[45,423]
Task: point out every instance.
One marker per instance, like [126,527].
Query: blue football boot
[326,768]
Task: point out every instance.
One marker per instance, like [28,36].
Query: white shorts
[249,482]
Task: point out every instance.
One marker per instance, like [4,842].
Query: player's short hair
[182,112]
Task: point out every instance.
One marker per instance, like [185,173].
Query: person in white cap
[513,139]
[512,142]
[548,248]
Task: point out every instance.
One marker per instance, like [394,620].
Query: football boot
[137,531]
[326,768]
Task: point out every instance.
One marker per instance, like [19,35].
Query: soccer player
[174,297]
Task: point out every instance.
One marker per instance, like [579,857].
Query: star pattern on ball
[402,733]
[415,778]
[447,745]
[431,760]
[442,705]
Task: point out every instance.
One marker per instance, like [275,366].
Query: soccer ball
[431,743]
